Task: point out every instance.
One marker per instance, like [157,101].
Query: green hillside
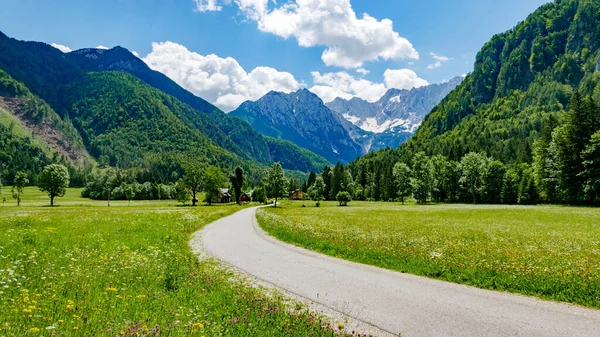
[520,78]
[531,103]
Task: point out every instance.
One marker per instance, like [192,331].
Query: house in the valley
[246,196]
[296,195]
[224,196]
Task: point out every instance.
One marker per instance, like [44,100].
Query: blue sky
[260,45]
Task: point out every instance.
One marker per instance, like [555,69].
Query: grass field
[552,252]
[83,269]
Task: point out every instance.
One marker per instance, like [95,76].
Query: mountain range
[343,130]
[121,113]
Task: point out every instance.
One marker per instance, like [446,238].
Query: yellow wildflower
[198,325]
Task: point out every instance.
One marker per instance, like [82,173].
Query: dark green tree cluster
[332,184]
[565,161]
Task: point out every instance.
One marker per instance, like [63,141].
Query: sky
[230,51]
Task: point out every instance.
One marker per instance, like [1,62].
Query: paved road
[391,301]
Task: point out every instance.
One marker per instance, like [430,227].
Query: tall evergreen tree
[337,177]
[237,180]
[591,172]
[327,180]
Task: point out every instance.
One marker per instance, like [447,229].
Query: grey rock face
[301,117]
[395,117]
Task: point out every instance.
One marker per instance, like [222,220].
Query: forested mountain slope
[239,135]
[122,120]
[521,78]
[33,135]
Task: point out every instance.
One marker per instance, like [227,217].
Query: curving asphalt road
[391,301]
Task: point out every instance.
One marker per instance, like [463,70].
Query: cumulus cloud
[363,71]
[329,86]
[207,5]
[136,54]
[403,79]
[60,47]
[349,40]
[438,61]
[221,81]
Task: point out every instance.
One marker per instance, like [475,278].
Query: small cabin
[296,195]
[246,196]
[224,196]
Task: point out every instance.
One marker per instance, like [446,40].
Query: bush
[343,198]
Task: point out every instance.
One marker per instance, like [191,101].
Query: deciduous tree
[402,174]
[20,181]
[54,180]
[213,181]
[316,191]
[276,182]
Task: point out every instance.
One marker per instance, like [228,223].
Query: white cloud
[363,71]
[136,54]
[349,40]
[60,47]
[329,86]
[102,47]
[221,81]
[207,5]
[438,61]
[403,79]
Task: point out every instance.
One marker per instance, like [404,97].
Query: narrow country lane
[392,301]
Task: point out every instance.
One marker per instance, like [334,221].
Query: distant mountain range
[343,130]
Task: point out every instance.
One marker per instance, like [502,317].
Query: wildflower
[340,326]
[198,325]
[27,311]
[34,330]
[75,328]
[111,289]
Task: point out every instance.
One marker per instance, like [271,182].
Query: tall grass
[126,271]
[548,251]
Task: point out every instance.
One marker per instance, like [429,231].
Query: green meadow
[84,269]
[551,252]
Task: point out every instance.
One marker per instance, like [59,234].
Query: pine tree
[337,177]
[327,180]
[591,172]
